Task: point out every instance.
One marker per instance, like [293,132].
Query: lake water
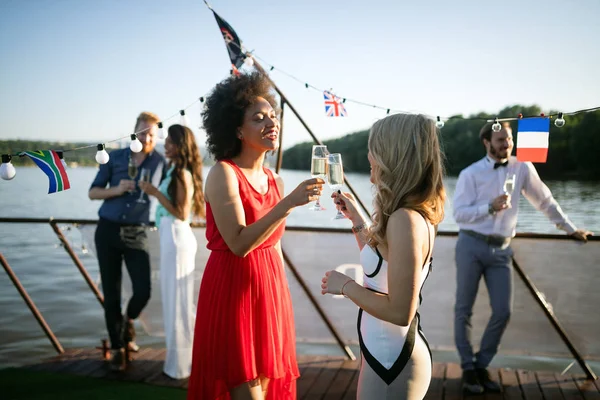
[56,287]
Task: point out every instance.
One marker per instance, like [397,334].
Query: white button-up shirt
[479,184]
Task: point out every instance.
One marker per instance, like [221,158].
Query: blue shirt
[126,209]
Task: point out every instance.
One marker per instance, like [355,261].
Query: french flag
[532,139]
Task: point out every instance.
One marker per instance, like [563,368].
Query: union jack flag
[333,105]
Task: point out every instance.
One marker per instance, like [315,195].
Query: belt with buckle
[492,240]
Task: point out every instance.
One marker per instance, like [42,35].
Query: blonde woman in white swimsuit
[395,253]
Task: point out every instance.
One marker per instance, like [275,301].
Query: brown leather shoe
[118,360]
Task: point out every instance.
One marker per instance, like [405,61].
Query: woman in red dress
[244,340]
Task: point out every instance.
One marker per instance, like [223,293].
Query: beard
[499,153]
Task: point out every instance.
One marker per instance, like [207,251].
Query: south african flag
[50,163]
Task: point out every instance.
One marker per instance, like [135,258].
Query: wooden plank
[549,386]
[569,390]
[510,384]
[325,379]
[352,388]
[308,378]
[343,379]
[453,390]
[529,385]
[436,387]
[587,388]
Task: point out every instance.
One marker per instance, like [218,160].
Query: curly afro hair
[224,111]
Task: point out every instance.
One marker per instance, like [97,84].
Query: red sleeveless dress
[245,322]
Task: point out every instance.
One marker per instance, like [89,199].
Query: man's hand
[581,234]
[501,202]
[125,185]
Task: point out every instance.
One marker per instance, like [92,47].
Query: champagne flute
[318,169]
[132,171]
[335,176]
[509,186]
[144,176]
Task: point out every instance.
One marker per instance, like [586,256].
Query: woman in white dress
[395,253]
[180,198]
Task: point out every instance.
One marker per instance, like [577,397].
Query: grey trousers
[474,259]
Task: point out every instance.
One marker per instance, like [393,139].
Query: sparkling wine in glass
[144,176]
[132,170]
[335,176]
[509,186]
[318,169]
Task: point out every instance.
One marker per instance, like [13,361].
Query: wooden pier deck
[330,377]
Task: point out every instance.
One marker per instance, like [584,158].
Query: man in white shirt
[487,217]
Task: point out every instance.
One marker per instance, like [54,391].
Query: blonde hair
[146,116]
[407,170]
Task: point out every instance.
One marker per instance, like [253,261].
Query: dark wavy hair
[224,111]
[187,157]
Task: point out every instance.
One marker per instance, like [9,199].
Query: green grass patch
[17,383]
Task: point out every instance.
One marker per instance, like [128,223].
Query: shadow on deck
[329,377]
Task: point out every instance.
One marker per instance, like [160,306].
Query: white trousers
[177,262]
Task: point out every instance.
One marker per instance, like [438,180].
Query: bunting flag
[232,41]
[50,163]
[333,105]
[532,139]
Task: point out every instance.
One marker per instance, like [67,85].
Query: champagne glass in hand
[509,186]
[318,169]
[144,176]
[132,171]
[335,176]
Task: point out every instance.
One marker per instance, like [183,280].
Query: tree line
[572,150]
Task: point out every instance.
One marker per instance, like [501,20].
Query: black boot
[471,383]
[489,385]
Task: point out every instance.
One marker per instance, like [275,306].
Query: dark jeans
[115,243]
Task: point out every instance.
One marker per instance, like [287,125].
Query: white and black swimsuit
[398,355]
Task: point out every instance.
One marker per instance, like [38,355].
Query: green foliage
[572,151]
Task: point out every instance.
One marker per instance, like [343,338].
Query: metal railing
[533,290]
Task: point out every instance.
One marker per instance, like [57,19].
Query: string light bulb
[560,121]
[183,119]
[439,123]
[496,127]
[136,145]
[60,157]
[7,170]
[102,156]
[161,132]
[248,61]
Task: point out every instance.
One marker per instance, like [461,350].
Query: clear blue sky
[81,70]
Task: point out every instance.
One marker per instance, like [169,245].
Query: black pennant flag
[232,41]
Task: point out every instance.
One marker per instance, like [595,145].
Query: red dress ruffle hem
[245,322]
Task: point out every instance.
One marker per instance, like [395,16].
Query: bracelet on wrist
[358,228]
[344,285]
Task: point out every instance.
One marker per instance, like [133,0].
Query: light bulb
[7,170]
[135,146]
[248,61]
[496,127]
[560,121]
[183,120]
[101,156]
[161,132]
[62,160]
[439,123]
